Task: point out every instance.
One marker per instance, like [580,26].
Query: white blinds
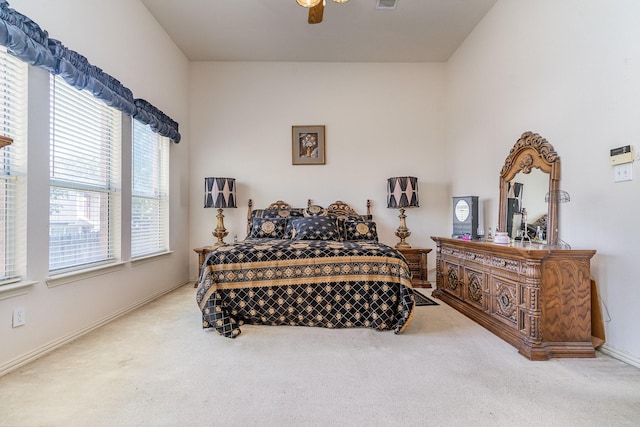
[84,188]
[149,192]
[13,79]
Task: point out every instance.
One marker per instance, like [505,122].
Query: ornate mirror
[532,168]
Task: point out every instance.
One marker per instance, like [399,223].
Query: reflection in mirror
[527,191]
[535,166]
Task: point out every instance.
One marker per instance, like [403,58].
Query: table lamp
[402,192]
[219,193]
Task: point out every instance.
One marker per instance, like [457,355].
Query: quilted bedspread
[331,284]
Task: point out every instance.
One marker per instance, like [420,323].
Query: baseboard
[621,356]
[53,345]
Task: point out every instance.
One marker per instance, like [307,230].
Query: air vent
[386,4]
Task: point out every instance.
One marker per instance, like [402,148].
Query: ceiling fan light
[308,3]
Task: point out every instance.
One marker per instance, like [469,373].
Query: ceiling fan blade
[315,13]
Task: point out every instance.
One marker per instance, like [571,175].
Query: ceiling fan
[316,9]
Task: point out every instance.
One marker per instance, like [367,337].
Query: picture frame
[308,145]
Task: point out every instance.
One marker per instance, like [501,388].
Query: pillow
[341,219]
[360,230]
[270,228]
[315,210]
[314,228]
[281,213]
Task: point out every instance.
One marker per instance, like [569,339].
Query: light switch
[623,172]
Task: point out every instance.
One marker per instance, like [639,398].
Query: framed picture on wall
[308,145]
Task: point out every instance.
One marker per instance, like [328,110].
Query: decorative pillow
[281,213]
[315,210]
[276,213]
[314,228]
[270,228]
[341,219]
[360,230]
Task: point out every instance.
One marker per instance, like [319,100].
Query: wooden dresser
[536,298]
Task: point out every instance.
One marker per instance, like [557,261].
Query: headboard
[337,208]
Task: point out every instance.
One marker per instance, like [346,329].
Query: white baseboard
[53,345]
[617,354]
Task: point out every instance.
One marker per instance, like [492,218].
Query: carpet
[422,299]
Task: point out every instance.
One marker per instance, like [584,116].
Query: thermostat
[621,155]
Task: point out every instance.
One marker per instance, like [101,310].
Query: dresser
[536,298]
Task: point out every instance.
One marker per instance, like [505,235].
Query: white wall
[570,71]
[122,38]
[381,120]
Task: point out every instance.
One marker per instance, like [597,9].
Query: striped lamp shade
[402,192]
[219,193]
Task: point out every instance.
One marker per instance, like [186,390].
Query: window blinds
[13,79]
[84,188]
[149,192]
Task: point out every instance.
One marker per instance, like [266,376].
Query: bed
[313,266]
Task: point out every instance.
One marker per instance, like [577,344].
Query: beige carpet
[157,367]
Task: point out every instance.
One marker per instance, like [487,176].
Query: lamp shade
[219,193]
[402,192]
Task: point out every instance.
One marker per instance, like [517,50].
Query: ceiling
[277,30]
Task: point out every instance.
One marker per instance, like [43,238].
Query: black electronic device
[465,217]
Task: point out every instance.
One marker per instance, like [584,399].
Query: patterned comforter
[331,284]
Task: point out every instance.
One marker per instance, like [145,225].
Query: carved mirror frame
[529,152]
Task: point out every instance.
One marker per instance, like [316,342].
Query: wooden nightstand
[417,260]
[202,256]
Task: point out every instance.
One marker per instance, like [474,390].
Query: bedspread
[331,284]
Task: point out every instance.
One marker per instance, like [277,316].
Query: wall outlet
[19,316]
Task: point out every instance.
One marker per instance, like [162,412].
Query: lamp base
[220,232]
[402,244]
[402,232]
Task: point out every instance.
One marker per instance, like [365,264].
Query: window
[13,79]
[85,137]
[149,192]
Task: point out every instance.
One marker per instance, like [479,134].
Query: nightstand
[417,260]
[202,256]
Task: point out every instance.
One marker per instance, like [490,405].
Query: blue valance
[159,122]
[24,38]
[76,70]
[30,43]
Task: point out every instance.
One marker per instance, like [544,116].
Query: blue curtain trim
[76,70]
[30,43]
[159,122]
[24,38]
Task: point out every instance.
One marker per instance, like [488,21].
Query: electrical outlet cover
[623,172]
[19,317]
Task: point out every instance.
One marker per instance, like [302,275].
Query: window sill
[149,258]
[16,289]
[74,276]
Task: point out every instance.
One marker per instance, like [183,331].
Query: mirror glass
[529,195]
